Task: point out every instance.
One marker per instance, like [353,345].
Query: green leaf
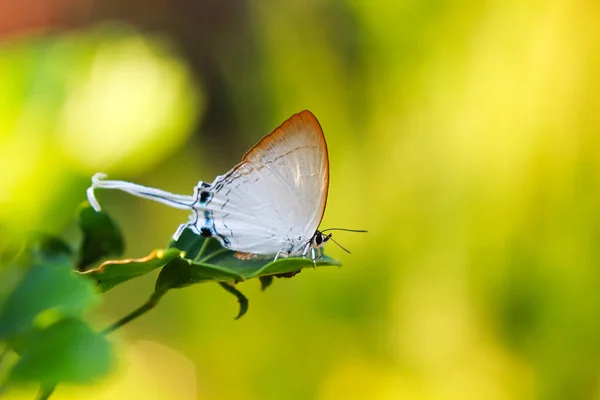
[67,351]
[265,282]
[45,249]
[45,288]
[207,261]
[208,253]
[239,295]
[38,249]
[112,273]
[180,273]
[45,392]
[101,237]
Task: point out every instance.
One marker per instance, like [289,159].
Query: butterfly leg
[282,254]
[313,255]
[179,231]
[306,250]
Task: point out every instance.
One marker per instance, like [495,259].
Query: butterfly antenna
[344,229]
[341,247]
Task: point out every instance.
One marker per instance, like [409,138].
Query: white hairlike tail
[173,200]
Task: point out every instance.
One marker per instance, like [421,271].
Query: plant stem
[213,255]
[144,308]
[45,392]
[202,249]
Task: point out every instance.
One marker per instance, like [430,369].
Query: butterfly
[272,202]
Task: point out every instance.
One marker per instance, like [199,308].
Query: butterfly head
[319,239]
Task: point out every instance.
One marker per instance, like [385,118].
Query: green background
[463,136]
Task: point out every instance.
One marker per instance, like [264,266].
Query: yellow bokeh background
[463,136]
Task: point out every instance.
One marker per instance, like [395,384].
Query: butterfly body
[272,202]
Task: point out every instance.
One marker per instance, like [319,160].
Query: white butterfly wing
[275,198]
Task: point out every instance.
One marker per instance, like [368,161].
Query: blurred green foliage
[41,329]
[52,346]
[463,136]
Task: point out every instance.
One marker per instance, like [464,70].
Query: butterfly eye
[318,239]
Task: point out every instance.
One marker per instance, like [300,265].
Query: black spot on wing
[204,196]
[225,240]
[206,232]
